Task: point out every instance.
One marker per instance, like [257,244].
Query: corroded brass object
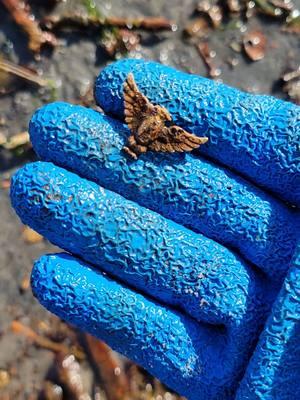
[147,123]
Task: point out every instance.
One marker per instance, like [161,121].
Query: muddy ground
[73,65]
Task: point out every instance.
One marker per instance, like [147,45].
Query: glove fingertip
[50,116]
[108,90]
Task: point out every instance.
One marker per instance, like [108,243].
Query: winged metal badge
[148,125]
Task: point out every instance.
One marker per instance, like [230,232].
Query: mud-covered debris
[234,6]
[143,386]
[273,8]
[22,15]
[119,42]
[212,10]
[110,42]
[129,40]
[87,98]
[109,368]
[51,391]
[255,45]
[197,28]
[277,9]
[4,378]
[19,328]
[232,62]
[235,46]
[30,236]
[208,56]
[69,376]
[59,331]
[291,85]
[293,22]
[99,393]
[116,34]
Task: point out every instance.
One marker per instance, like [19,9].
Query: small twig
[148,23]
[109,369]
[18,327]
[92,21]
[25,73]
[23,17]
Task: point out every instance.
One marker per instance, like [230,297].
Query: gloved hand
[174,259]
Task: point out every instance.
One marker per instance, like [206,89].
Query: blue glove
[177,258]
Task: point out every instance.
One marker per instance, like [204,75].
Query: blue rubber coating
[140,247]
[274,370]
[257,135]
[188,356]
[187,189]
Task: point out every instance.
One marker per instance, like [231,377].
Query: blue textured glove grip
[137,245]
[274,370]
[256,135]
[186,189]
[187,356]
[171,263]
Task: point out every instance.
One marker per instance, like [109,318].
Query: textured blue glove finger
[256,135]
[274,370]
[186,189]
[140,247]
[189,357]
